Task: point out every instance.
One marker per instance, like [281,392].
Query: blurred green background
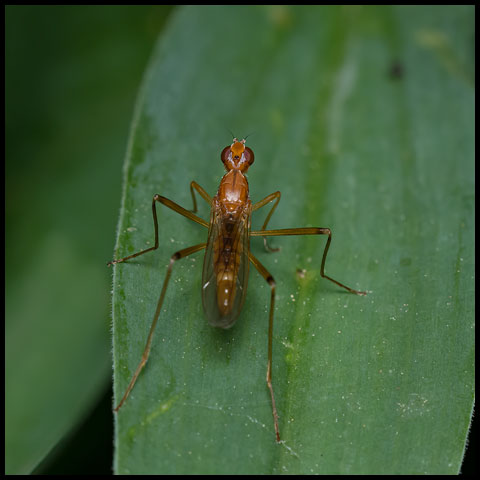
[72,76]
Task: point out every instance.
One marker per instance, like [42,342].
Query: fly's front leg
[175,207]
[271,282]
[202,192]
[308,231]
[269,198]
[176,256]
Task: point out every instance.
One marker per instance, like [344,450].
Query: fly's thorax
[233,190]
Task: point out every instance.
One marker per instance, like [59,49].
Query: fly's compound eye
[249,156]
[225,154]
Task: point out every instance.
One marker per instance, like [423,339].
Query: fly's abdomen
[225,270]
[225,293]
[227,261]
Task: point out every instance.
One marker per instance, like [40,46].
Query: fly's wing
[226,256]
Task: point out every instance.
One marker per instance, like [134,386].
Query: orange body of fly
[228,239]
[233,201]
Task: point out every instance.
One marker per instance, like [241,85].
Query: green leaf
[363,118]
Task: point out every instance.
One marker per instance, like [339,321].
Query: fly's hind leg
[176,256]
[266,275]
[175,207]
[308,231]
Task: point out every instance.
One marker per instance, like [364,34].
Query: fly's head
[237,156]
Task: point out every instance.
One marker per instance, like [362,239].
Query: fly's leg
[176,256]
[266,275]
[202,192]
[269,198]
[308,231]
[170,204]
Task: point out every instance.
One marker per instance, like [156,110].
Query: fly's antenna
[233,136]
